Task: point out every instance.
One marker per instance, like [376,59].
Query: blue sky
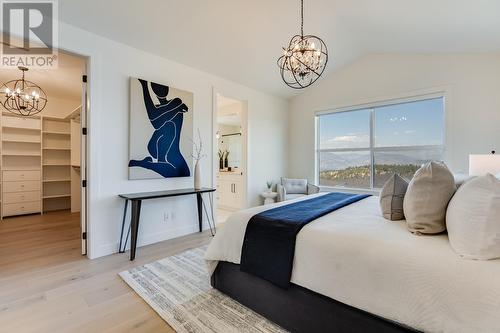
[417,123]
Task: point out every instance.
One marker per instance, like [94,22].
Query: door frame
[84,157]
[244,138]
[84,150]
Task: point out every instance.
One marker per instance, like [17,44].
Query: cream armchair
[294,188]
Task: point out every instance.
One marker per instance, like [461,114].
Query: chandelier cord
[302,18]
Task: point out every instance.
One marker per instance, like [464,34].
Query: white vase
[197,176]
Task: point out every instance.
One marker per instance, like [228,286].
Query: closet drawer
[21,208]
[9,176]
[31,185]
[19,197]
[18,122]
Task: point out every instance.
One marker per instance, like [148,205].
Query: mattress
[355,256]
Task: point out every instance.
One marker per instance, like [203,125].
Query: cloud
[350,138]
[347,141]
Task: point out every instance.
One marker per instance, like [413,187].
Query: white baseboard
[112,248]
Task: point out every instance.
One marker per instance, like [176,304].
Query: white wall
[111,64]
[471,83]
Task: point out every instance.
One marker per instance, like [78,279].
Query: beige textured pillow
[473,219]
[427,197]
[391,198]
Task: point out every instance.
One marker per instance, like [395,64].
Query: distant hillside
[359,176]
[349,159]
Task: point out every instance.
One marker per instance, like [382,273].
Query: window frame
[371,149]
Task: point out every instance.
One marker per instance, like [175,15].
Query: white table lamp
[485,163]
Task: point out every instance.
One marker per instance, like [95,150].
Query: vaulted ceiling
[241,40]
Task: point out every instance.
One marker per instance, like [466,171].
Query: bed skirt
[297,309]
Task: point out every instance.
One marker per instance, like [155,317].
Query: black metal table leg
[120,250]
[200,212]
[134,226]
[208,217]
[211,198]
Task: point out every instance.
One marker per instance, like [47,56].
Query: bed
[354,271]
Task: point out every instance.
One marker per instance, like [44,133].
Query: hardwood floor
[46,285]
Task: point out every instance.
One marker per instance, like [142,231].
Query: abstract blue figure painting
[161,121]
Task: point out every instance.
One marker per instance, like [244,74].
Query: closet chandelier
[305,58]
[23,97]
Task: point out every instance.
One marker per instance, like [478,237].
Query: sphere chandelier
[23,97]
[305,58]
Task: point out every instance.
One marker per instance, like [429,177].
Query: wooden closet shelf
[55,180]
[22,128]
[56,164]
[57,196]
[55,132]
[20,154]
[20,141]
[19,169]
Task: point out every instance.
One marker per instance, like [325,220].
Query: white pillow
[473,219]
[498,175]
[427,197]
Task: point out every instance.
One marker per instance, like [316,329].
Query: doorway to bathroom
[231,151]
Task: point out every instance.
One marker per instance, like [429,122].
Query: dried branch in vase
[197,155]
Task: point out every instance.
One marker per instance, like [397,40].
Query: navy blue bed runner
[269,243]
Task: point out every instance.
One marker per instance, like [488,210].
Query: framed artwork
[161,123]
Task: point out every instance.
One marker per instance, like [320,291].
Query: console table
[137,198]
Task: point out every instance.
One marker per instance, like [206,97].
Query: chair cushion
[473,219]
[294,186]
[392,196]
[427,197]
[294,196]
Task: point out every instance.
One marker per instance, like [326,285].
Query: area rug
[178,289]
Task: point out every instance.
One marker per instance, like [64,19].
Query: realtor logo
[29,37]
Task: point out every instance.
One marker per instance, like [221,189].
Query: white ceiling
[63,82]
[241,40]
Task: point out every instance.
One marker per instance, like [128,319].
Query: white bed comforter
[355,256]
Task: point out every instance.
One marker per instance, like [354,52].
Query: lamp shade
[482,164]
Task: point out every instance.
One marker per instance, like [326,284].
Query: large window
[362,148]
